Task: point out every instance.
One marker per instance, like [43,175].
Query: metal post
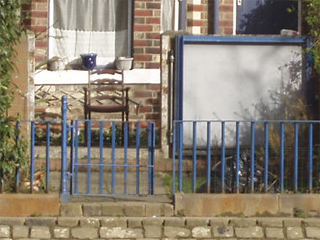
[32,153]
[48,161]
[194,157]
[310,157]
[151,146]
[282,135]
[252,168]
[266,156]
[223,156]
[216,16]
[64,195]
[208,157]
[17,177]
[237,157]
[182,14]
[296,156]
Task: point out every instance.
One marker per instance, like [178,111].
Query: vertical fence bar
[88,180]
[125,160]
[237,156]
[266,156]
[101,167]
[282,135]
[151,145]
[208,157]
[252,167]
[310,157]
[174,129]
[296,155]
[75,167]
[138,145]
[223,156]
[180,149]
[32,152]
[48,160]
[113,158]
[17,173]
[72,154]
[194,156]
[64,196]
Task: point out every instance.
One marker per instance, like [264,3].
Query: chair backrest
[106,95]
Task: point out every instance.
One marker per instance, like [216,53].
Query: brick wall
[38,23]
[197,17]
[147,33]
[226,17]
[200,17]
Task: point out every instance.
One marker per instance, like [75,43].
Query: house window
[103,27]
[266,16]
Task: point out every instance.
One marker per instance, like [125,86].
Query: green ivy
[12,146]
[312,18]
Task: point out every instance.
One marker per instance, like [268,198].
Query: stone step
[76,228]
[116,209]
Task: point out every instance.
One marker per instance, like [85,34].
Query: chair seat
[106,109]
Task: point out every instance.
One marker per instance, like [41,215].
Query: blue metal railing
[246,156]
[108,168]
[107,146]
[32,174]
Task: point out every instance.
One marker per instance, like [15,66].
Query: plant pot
[89,60]
[124,63]
[56,63]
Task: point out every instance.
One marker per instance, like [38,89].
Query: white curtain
[167,15]
[89,26]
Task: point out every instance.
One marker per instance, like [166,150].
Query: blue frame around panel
[182,40]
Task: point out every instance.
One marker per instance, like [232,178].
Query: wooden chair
[106,96]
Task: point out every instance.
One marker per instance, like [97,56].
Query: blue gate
[115,159]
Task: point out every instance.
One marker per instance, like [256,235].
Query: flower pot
[89,60]
[56,63]
[124,63]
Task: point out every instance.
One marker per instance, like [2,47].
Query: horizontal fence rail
[246,156]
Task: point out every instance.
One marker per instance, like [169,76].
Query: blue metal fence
[94,157]
[114,165]
[246,156]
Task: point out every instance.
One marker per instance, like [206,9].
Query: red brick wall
[200,19]
[147,33]
[197,17]
[149,97]
[226,17]
[38,23]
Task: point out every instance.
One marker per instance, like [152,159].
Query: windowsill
[67,77]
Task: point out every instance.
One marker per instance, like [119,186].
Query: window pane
[266,16]
[82,26]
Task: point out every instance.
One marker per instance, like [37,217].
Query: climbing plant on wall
[312,18]
[12,146]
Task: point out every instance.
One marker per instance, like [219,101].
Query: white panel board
[225,82]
